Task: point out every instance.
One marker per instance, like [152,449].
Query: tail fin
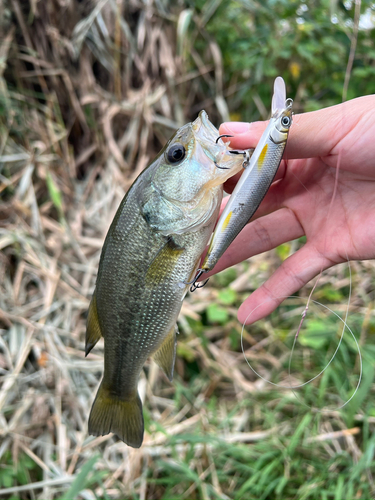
[123,417]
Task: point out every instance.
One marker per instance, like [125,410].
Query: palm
[336,215]
[334,207]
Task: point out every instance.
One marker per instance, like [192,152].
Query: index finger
[313,134]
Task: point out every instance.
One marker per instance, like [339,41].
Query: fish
[255,181]
[150,254]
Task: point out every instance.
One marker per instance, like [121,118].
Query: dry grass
[90,91]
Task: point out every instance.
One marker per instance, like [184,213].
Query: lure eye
[176,153]
[285,121]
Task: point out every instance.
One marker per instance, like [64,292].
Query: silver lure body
[255,180]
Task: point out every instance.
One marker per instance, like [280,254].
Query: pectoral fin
[166,354]
[163,263]
[93,332]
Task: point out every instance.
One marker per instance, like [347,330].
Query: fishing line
[304,314]
[313,289]
[346,83]
[298,386]
[309,300]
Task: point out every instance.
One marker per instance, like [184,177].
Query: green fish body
[151,251]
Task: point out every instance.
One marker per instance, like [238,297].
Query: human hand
[324,189]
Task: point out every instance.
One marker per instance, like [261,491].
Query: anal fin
[93,332]
[166,354]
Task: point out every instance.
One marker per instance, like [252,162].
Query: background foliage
[89,92]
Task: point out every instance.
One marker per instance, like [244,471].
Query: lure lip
[279,96]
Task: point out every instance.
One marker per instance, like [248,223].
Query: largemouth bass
[150,253]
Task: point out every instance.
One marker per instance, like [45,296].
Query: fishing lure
[255,181]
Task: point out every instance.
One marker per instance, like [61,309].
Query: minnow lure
[255,181]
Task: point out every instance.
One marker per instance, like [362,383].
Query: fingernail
[237,127]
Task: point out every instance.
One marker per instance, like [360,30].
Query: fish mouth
[206,135]
[205,132]
[223,164]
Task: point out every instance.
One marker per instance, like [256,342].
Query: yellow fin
[93,332]
[166,354]
[163,263]
[123,417]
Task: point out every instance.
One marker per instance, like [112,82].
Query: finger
[294,273]
[259,236]
[312,134]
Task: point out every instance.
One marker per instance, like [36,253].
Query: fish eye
[285,121]
[176,153]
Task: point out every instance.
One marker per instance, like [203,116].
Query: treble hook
[245,154]
[223,135]
[193,282]
[234,152]
[216,165]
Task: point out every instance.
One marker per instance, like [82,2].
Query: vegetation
[89,92]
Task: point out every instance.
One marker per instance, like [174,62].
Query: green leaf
[6,477]
[368,374]
[296,438]
[81,480]
[234,339]
[227,296]
[339,493]
[216,314]
[54,193]
[331,294]
[224,278]
[282,483]
[316,333]
[182,27]
[283,251]
[185,351]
